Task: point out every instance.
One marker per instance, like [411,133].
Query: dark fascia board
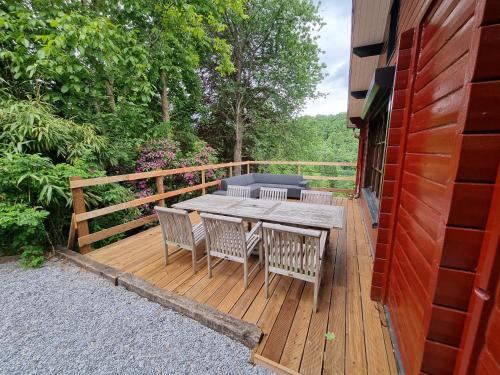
[368,50]
[358,122]
[359,94]
[380,88]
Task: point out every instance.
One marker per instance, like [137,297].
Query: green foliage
[32,256]
[22,231]
[34,181]
[277,68]
[330,336]
[307,138]
[102,62]
[32,127]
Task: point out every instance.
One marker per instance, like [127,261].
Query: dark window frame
[378,128]
[393,29]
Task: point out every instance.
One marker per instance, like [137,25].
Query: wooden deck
[294,338]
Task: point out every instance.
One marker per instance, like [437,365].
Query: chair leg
[266,281]
[245,274]
[315,301]
[165,251]
[261,254]
[194,260]
[209,263]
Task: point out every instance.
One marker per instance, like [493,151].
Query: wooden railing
[80,219]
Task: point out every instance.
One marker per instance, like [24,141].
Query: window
[377,138]
[393,29]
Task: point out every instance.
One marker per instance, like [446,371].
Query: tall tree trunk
[165,104]
[111,97]
[239,128]
[238,109]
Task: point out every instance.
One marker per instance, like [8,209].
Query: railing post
[248,167]
[160,189]
[203,190]
[231,171]
[79,208]
[72,233]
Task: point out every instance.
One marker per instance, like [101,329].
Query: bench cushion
[293,183]
[283,179]
[242,180]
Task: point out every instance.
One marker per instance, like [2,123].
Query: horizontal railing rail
[81,216]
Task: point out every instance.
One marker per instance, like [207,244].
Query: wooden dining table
[317,216]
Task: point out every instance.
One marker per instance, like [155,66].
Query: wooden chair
[273,194]
[227,239]
[294,252]
[238,191]
[178,231]
[316,197]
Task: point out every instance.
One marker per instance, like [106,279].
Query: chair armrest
[322,243]
[254,229]
[304,183]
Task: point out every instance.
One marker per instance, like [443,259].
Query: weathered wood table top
[296,213]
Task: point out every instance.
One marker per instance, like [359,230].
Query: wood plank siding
[294,337]
[443,152]
[417,281]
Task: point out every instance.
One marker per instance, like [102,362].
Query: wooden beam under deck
[294,338]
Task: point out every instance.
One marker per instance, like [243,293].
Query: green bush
[22,231]
[32,181]
[32,127]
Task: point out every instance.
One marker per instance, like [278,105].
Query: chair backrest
[224,235]
[175,226]
[273,194]
[238,191]
[293,250]
[317,197]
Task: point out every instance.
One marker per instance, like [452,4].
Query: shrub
[165,154]
[34,181]
[22,232]
[32,127]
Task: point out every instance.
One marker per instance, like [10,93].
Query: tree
[307,138]
[127,66]
[276,67]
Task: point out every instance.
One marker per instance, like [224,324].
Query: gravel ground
[62,320]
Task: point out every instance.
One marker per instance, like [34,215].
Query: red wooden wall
[396,139]
[480,345]
[444,149]
[489,357]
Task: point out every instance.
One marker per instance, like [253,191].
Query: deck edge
[109,273]
[277,368]
[246,333]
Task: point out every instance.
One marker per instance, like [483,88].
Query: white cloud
[335,40]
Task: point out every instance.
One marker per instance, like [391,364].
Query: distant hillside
[308,138]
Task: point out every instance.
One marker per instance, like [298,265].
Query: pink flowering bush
[158,154]
[166,154]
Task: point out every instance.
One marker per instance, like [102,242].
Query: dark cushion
[283,179]
[293,183]
[242,180]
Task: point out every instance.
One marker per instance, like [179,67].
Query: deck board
[294,337]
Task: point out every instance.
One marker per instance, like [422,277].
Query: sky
[335,40]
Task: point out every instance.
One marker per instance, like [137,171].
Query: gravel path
[62,320]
